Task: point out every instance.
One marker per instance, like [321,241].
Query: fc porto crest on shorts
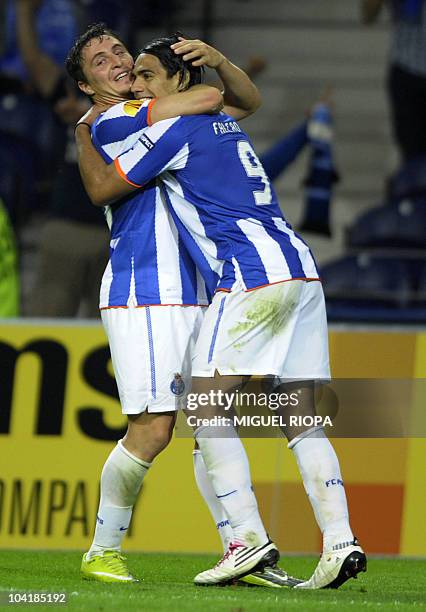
[177,386]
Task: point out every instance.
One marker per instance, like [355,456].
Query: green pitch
[389,584]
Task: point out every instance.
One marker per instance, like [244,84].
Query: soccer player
[149,266]
[267,315]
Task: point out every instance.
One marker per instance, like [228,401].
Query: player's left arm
[241,96]
[102,183]
[156,151]
[196,100]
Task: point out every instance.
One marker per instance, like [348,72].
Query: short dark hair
[74,61]
[160,47]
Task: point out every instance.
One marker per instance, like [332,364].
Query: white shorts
[151,350]
[278,330]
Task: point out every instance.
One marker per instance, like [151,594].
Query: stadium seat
[409,181]
[368,279]
[400,225]
[421,288]
[373,289]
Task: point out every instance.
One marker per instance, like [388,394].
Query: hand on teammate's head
[198,53]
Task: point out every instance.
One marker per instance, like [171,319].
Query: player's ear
[85,88]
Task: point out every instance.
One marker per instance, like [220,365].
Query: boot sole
[354,563]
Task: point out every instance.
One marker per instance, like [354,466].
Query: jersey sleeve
[162,147]
[121,123]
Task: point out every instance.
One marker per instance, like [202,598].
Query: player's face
[151,79]
[108,67]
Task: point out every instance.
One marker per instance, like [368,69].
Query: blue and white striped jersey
[222,201]
[149,263]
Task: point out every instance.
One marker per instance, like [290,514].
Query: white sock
[207,492]
[320,471]
[121,481]
[228,469]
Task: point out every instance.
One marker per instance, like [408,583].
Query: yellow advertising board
[60,417]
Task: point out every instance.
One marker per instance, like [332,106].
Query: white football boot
[238,561]
[335,567]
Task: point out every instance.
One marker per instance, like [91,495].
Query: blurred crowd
[39,107]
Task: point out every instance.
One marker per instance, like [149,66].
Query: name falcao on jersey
[229,127]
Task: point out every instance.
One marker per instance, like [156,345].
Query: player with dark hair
[149,266]
[189,74]
[75,60]
[267,315]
